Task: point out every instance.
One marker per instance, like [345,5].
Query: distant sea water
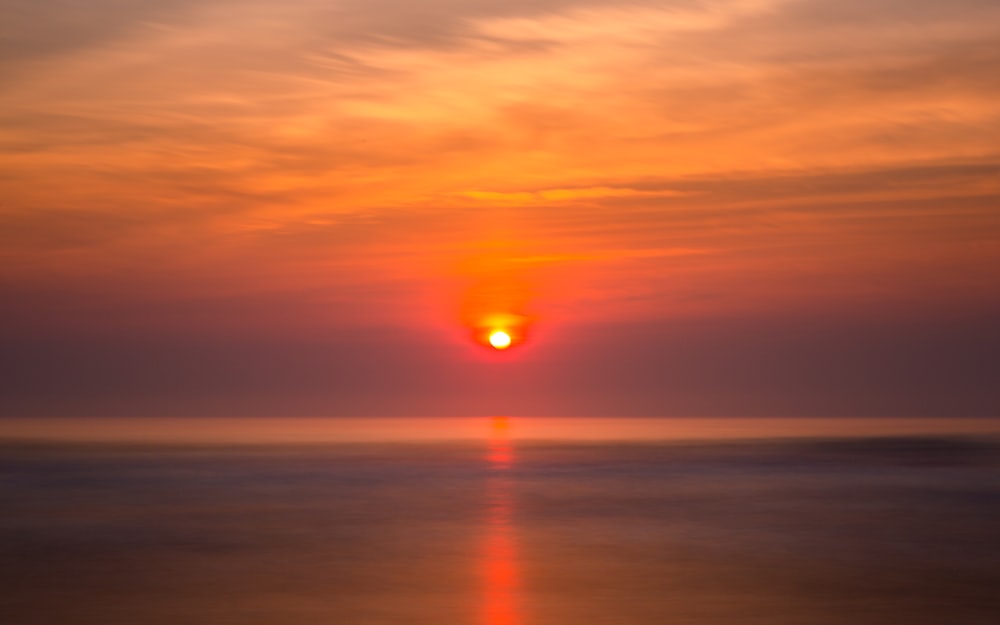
[499,521]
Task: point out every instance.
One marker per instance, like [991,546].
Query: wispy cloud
[313,147]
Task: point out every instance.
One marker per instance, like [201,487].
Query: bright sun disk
[499,339]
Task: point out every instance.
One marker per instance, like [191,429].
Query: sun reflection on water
[499,554]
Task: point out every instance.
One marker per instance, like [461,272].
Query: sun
[500,331]
[499,339]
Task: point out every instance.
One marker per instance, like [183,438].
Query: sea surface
[500,521]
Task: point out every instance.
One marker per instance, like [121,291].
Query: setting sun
[500,330]
[500,339]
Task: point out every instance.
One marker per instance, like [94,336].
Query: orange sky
[305,168]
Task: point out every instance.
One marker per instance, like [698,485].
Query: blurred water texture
[501,530]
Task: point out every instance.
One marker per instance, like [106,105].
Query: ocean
[500,521]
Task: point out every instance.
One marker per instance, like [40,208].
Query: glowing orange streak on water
[499,556]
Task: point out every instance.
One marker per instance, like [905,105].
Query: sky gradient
[311,207]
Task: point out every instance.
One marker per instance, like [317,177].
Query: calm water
[498,529]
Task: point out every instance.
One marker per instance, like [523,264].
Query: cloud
[544,196]
[310,147]
[42,29]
